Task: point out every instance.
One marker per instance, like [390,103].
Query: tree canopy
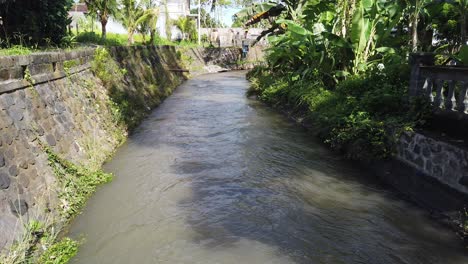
[29,22]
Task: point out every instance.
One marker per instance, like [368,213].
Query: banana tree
[372,23]
[417,8]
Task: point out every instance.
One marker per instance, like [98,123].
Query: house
[77,12]
[175,9]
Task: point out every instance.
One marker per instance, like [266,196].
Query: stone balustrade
[445,86]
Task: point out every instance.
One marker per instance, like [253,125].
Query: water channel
[214,177]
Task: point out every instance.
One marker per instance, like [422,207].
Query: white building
[175,9]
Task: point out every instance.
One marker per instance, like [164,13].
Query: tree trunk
[103,27]
[130,40]
[152,36]
[463,28]
[414,33]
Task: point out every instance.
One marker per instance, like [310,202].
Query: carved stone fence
[445,86]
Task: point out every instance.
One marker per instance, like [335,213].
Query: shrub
[360,117]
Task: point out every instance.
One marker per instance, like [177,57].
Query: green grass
[16,50]
[60,253]
[113,39]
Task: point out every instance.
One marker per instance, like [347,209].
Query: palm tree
[186,26]
[132,14]
[103,8]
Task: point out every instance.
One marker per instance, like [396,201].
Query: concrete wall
[447,163]
[56,99]
[229,37]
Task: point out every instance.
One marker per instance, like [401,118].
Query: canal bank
[63,113]
[214,177]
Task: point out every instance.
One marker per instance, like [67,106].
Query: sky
[227,15]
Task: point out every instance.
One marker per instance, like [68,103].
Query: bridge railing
[445,86]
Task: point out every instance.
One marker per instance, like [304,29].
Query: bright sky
[227,15]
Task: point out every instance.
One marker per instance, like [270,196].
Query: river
[214,177]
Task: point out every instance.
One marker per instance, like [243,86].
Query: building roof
[79,7]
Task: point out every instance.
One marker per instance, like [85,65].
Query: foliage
[30,22]
[206,21]
[187,26]
[60,253]
[103,9]
[78,182]
[359,117]
[127,109]
[111,40]
[133,14]
[16,50]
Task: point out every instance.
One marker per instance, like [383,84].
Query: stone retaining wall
[444,162]
[55,99]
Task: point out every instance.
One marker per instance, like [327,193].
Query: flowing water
[214,177]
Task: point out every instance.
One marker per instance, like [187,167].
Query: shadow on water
[213,177]
[267,181]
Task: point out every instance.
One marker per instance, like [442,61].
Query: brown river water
[214,177]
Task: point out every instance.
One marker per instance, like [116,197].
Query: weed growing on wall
[60,253]
[67,65]
[78,183]
[28,77]
[38,244]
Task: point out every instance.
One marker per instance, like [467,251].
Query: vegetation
[60,253]
[40,242]
[32,22]
[188,28]
[343,66]
[103,9]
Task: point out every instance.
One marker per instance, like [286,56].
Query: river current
[214,177]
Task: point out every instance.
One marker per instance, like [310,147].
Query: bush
[360,117]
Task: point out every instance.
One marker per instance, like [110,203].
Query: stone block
[35,69]
[420,162]
[437,171]
[19,207]
[23,60]
[23,164]
[426,151]
[51,140]
[16,114]
[428,166]
[40,58]
[13,170]
[435,148]
[7,61]
[417,149]
[4,74]
[4,180]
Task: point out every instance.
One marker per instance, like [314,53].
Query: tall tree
[462,7]
[186,26]
[417,9]
[35,21]
[133,14]
[152,14]
[104,9]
